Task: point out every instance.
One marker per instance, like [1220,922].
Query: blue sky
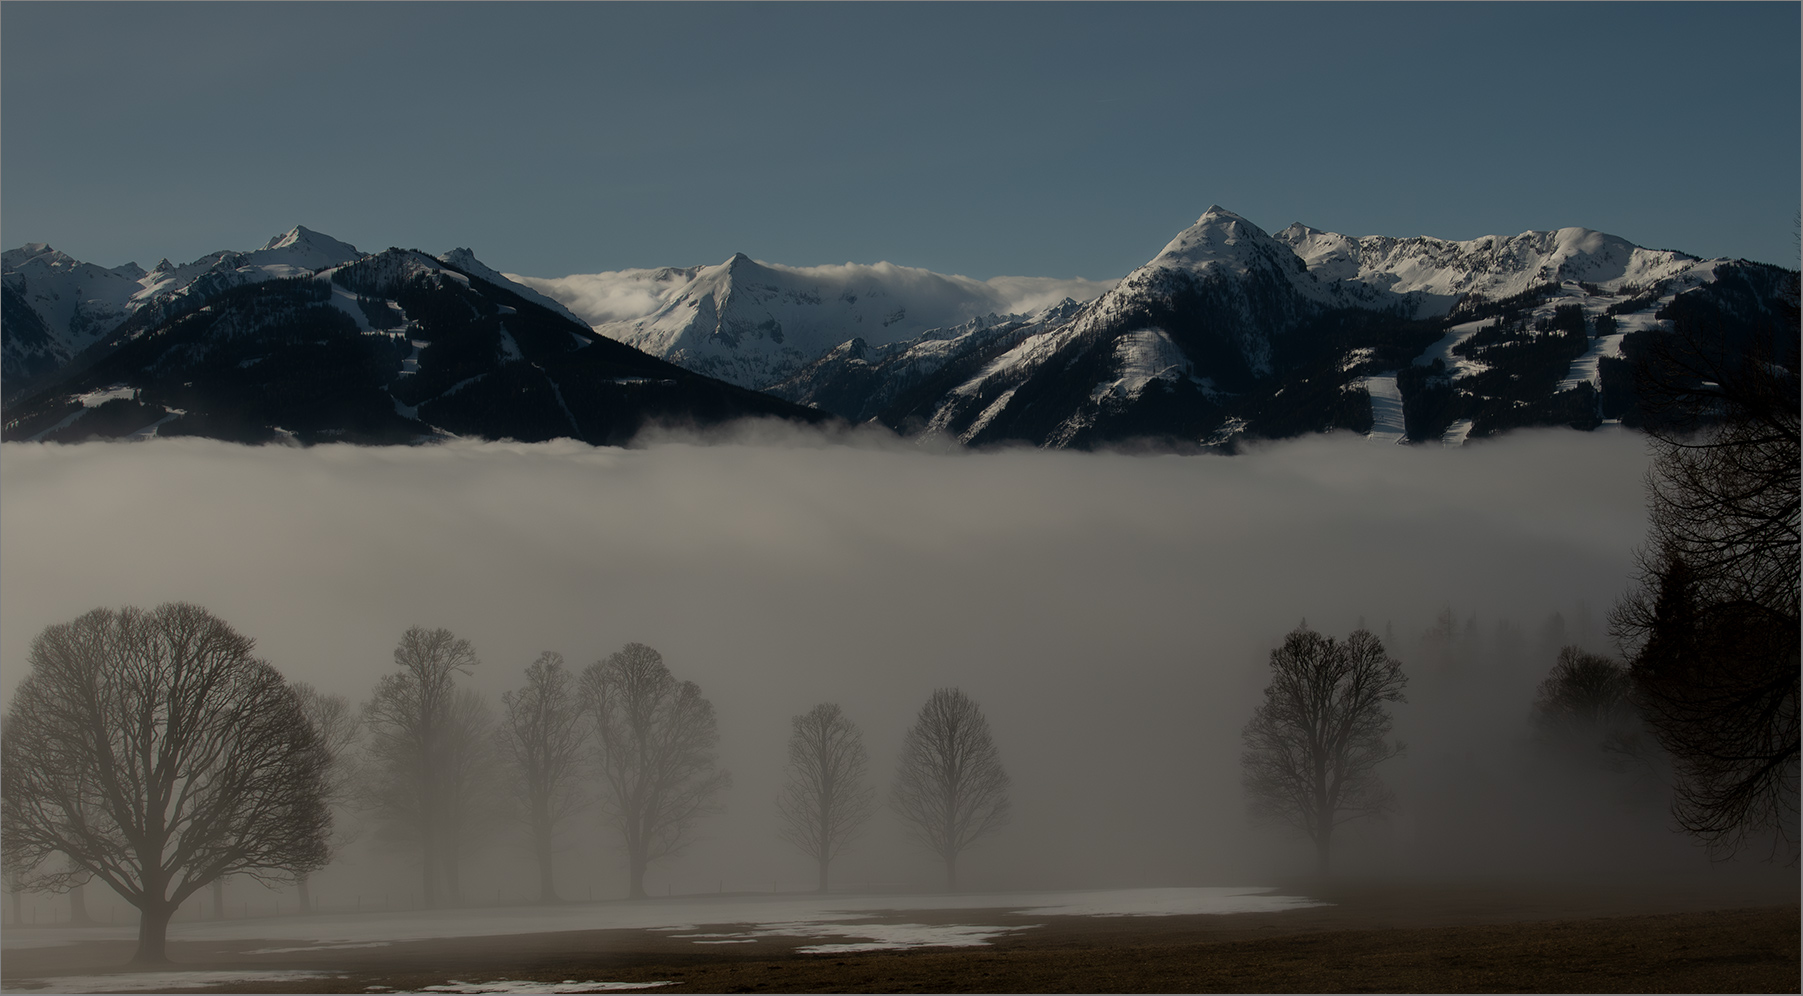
[1055,140]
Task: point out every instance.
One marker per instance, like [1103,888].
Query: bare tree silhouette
[657,744]
[155,752]
[1712,624]
[1313,747]
[950,788]
[825,803]
[542,740]
[420,743]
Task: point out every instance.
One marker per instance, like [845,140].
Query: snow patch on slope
[1144,355]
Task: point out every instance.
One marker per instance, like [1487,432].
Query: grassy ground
[1373,939]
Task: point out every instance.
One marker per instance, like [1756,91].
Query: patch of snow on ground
[142,981]
[1455,433]
[1386,408]
[820,916]
[1586,369]
[567,986]
[1145,355]
[988,415]
[878,936]
[902,936]
[322,947]
[346,301]
[1456,366]
[1165,902]
[94,399]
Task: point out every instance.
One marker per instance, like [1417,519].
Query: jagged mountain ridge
[1231,333]
[65,306]
[757,324]
[1228,333]
[391,347]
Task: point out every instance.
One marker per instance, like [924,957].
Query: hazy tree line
[151,750]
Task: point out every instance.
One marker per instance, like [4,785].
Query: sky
[1068,140]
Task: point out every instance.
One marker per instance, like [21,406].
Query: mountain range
[309,340]
[1229,333]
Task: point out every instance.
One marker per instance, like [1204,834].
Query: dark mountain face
[1231,334]
[395,347]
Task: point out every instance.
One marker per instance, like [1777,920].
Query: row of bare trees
[153,751]
[950,787]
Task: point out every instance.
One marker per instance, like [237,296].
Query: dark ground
[1621,937]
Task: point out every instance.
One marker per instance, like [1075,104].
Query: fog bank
[1112,614]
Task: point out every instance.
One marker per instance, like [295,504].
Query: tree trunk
[1323,846]
[429,878]
[153,932]
[306,895]
[951,872]
[453,888]
[18,907]
[218,899]
[823,863]
[637,890]
[547,881]
[78,907]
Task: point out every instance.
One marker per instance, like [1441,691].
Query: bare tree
[78,895]
[825,803]
[542,739]
[412,739]
[471,768]
[950,788]
[656,743]
[1313,746]
[1712,624]
[340,731]
[154,751]
[1586,701]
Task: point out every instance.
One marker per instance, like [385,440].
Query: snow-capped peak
[1441,271]
[303,247]
[1218,236]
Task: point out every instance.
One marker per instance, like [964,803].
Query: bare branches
[429,747]
[1313,747]
[825,803]
[950,788]
[542,739]
[159,755]
[1712,625]
[656,744]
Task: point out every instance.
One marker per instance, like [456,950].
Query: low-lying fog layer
[1112,615]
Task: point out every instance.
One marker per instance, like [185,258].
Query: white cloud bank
[1111,613]
[624,295]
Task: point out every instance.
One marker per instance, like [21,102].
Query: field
[1696,935]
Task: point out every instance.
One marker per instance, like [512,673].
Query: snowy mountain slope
[1229,332]
[56,306]
[394,347]
[862,382]
[756,324]
[80,304]
[1438,273]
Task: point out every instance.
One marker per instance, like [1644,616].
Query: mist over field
[1112,614]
